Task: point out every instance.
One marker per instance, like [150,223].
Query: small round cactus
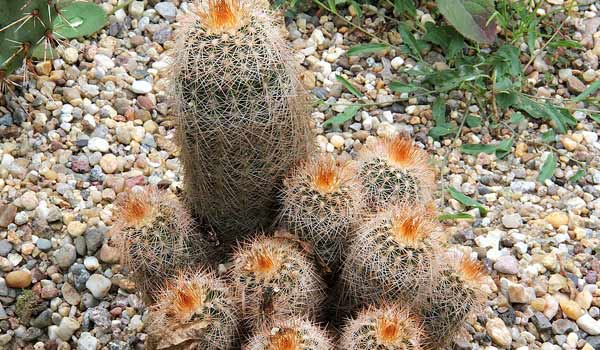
[321,202]
[390,327]
[194,311]
[292,334]
[156,237]
[456,296]
[275,280]
[390,258]
[395,171]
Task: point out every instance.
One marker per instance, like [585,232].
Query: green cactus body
[383,328]
[194,311]
[156,236]
[456,296]
[242,115]
[292,334]
[395,172]
[321,202]
[275,280]
[390,258]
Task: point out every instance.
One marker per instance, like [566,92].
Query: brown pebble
[18,279]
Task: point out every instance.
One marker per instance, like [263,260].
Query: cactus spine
[390,258]
[389,327]
[394,171]
[242,116]
[155,235]
[194,311]
[321,202]
[455,297]
[275,280]
[292,334]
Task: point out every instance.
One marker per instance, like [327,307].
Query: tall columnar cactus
[395,171]
[156,237]
[391,258]
[242,114]
[291,334]
[275,280]
[194,311]
[27,24]
[456,295]
[390,327]
[321,203]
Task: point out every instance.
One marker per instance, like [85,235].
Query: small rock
[87,341]
[7,214]
[70,55]
[98,285]
[575,85]
[18,279]
[109,254]
[91,263]
[141,87]
[109,163]
[29,200]
[588,324]
[512,220]
[98,144]
[167,10]
[76,228]
[557,219]
[497,330]
[5,247]
[571,309]
[70,294]
[507,264]
[67,328]
[65,256]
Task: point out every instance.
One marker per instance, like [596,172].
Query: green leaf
[577,176]
[341,118]
[467,201]
[473,121]
[409,39]
[571,44]
[516,118]
[405,6]
[501,148]
[442,130]
[587,92]
[363,49]
[397,86]
[595,117]
[439,111]
[79,19]
[549,136]
[332,6]
[356,8]
[470,18]
[349,86]
[457,216]
[548,168]
[561,118]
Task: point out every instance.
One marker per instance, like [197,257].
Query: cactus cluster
[291,334]
[321,202]
[242,114]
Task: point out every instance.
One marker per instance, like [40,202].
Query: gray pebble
[65,256]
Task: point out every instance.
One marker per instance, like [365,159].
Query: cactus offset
[242,115]
[456,296]
[390,258]
[292,334]
[194,311]
[321,201]
[156,237]
[386,328]
[275,280]
[395,171]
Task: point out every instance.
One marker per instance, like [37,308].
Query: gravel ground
[97,121]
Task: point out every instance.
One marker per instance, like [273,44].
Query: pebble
[98,144]
[65,256]
[499,333]
[571,309]
[141,87]
[18,279]
[87,341]
[512,220]
[588,324]
[67,328]
[91,263]
[557,219]
[70,55]
[166,10]
[98,285]
[109,163]
[76,228]
[507,264]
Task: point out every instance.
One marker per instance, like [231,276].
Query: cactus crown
[264,263]
[409,229]
[286,339]
[188,296]
[470,271]
[325,176]
[221,16]
[401,150]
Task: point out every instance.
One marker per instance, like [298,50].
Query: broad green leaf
[587,92]
[357,8]
[79,19]
[457,216]
[595,117]
[561,118]
[548,168]
[467,201]
[516,118]
[549,136]
[362,49]
[332,6]
[439,111]
[349,86]
[409,39]
[397,86]
[470,18]
[442,130]
[505,100]
[341,118]
[473,121]
[571,44]
[577,176]
[405,6]
[510,61]
[500,149]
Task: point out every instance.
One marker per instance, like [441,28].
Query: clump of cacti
[321,203]
[274,279]
[455,296]
[26,25]
[156,237]
[390,258]
[242,116]
[291,334]
[194,311]
[390,327]
[395,171]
